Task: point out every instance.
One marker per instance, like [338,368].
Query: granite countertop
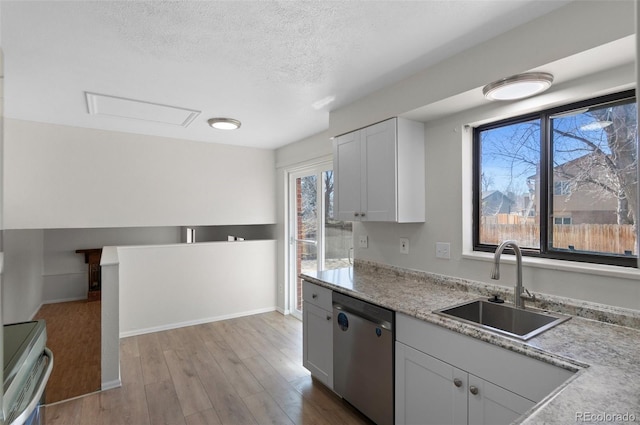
[601,343]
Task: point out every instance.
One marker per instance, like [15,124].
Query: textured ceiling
[274,65]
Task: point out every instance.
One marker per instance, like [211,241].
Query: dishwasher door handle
[382,323]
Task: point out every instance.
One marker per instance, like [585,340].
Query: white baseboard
[35,312]
[74,398]
[111,384]
[82,273]
[54,302]
[64,300]
[194,322]
[283,311]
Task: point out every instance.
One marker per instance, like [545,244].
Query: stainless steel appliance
[363,363]
[27,367]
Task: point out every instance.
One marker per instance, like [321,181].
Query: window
[561,188]
[562,220]
[562,182]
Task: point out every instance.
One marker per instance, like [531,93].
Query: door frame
[316,168]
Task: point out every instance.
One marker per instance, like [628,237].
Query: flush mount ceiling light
[599,124]
[596,125]
[224,123]
[518,86]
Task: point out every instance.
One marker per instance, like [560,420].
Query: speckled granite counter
[605,353]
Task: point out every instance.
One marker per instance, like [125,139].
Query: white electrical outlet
[363,242]
[443,250]
[404,245]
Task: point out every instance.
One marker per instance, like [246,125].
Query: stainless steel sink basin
[503,318]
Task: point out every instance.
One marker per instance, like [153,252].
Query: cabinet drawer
[317,295]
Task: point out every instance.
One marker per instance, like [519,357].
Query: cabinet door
[380,175]
[426,390]
[347,167]
[317,343]
[494,405]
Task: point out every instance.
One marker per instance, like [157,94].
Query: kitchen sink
[503,318]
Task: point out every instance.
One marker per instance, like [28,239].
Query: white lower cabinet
[318,343]
[430,391]
[443,377]
[317,333]
[492,404]
[425,392]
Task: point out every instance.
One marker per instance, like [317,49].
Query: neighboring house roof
[489,193]
[573,163]
[495,202]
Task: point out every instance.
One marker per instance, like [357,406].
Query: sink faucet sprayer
[495,273]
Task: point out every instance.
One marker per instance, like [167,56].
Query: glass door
[304,234]
[317,242]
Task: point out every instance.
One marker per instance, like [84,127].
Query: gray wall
[22,284]
[41,266]
[65,273]
[68,177]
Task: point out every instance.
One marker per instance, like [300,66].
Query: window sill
[568,266]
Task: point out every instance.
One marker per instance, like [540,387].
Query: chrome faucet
[495,274]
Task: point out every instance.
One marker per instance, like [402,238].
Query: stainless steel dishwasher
[363,363]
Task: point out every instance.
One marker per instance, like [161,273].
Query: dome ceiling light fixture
[518,86]
[599,124]
[224,123]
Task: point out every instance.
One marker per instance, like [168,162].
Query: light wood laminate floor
[239,371]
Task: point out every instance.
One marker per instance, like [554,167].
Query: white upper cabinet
[346,169]
[379,173]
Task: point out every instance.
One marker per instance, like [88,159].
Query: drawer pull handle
[474,390]
[362,214]
[328,317]
[356,214]
[314,296]
[457,382]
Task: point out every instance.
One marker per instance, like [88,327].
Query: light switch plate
[363,242]
[404,245]
[443,250]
